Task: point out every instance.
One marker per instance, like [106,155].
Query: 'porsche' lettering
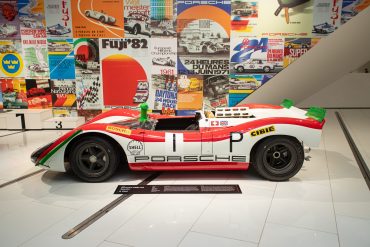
[234,139]
[262,131]
[191,158]
[118,130]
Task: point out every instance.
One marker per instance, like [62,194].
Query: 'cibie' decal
[118,130]
[262,131]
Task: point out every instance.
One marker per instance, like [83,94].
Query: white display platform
[2,120]
[63,122]
[27,118]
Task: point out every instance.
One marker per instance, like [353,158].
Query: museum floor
[326,204]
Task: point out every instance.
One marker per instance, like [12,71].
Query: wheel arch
[92,134]
[255,146]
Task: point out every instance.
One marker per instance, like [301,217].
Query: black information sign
[179,189]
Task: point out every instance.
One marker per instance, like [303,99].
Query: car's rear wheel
[102,19]
[278,158]
[136,30]
[266,69]
[94,159]
[87,13]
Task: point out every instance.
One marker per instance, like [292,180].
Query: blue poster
[61,59]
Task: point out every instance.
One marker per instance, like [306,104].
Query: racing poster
[97,19]
[58,15]
[277,18]
[31,14]
[350,8]
[88,83]
[1,101]
[256,55]
[61,59]
[35,53]
[215,91]
[163,18]
[9,19]
[63,93]
[190,92]
[125,69]
[203,31]
[14,93]
[295,48]
[326,17]
[241,86]
[38,93]
[163,53]
[244,17]
[11,61]
[88,114]
[137,18]
[165,98]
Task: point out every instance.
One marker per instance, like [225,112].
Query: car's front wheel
[240,69]
[94,159]
[278,158]
[266,69]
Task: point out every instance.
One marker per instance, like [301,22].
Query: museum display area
[184,123]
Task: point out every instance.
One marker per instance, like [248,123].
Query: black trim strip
[21,178]
[356,153]
[90,220]
[13,133]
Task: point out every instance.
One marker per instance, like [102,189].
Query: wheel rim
[240,69]
[93,159]
[278,158]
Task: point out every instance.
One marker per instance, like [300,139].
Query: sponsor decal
[135,147]
[118,130]
[191,158]
[262,131]
[219,123]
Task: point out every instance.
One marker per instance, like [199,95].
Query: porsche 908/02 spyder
[270,138]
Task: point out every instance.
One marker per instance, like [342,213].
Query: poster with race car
[277,18]
[125,70]
[35,53]
[203,31]
[189,92]
[256,55]
[326,17]
[241,86]
[163,53]
[165,97]
[137,18]
[9,20]
[1,101]
[14,93]
[215,90]
[31,14]
[350,8]
[97,19]
[163,18]
[295,48]
[61,59]
[38,93]
[63,94]
[11,61]
[58,15]
[88,83]
[244,17]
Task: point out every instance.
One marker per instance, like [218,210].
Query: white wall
[342,52]
[352,90]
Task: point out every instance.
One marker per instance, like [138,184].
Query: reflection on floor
[326,204]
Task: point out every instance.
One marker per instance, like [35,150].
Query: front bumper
[36,154]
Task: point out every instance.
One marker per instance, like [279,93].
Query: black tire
[94,159]
[278,158]
[136,30]
[266,69]
[87,13]
[240,69]
[102,19]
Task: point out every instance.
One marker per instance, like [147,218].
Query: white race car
[255,64]
[101,16]
[271,138]
[137,23]
[7,30]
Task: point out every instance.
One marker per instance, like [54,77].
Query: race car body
[255,64]
[269,137]
[7,30]
[58,30]
[101,16]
